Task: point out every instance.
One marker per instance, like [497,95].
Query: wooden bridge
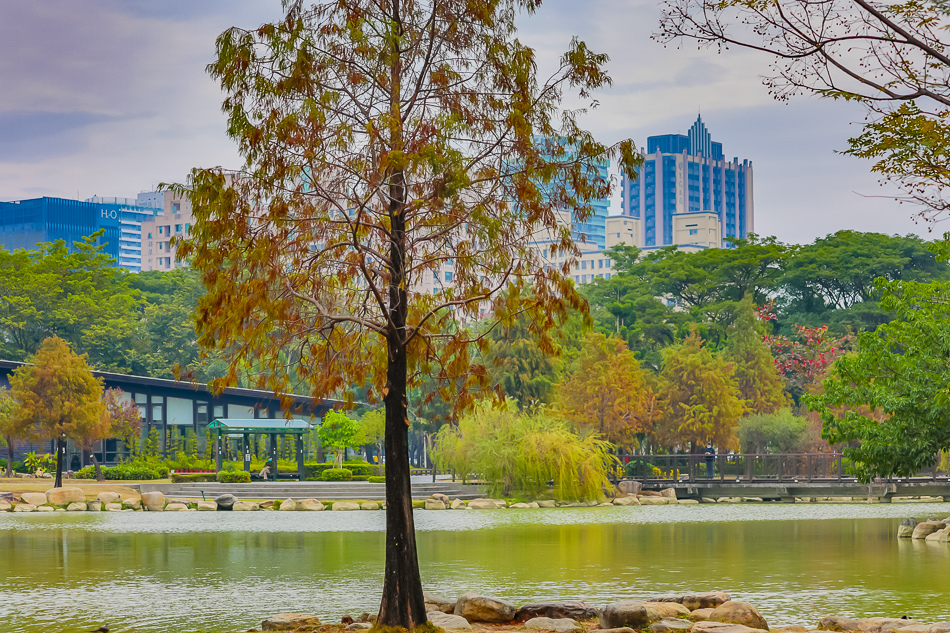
[782,477]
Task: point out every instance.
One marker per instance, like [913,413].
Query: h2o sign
[109,215]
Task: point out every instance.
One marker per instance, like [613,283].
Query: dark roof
[180,387]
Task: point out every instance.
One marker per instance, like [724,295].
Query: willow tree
[387,142]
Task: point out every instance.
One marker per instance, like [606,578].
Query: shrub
[313,471]
[234,477]
[376,480]
[180,478]
[126,472]
[337,474]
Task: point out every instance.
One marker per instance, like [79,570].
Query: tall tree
[890,56]
[699,398]
[755,374]
[12,427]
[518,365]
[385,141]
[59,395]
[607,392]
[338,433]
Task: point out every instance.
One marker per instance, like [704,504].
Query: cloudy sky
[110,97]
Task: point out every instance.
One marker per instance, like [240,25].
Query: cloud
[31,136]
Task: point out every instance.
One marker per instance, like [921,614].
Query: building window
[178,228]
[600,263]
[608,265]
[607,276]
[176,207]
[448,275]
[694,231]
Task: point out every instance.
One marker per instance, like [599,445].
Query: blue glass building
[688,174]
[26,223]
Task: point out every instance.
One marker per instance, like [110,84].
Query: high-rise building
[686,176]
[173,217]
[26,223]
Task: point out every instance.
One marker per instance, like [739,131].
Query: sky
[111,98]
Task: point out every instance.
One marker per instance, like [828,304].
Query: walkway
[324,491]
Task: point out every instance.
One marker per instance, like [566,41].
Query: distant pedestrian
[710,454]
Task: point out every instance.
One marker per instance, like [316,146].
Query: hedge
[313,471]
[376,480]
[234,477]
[181,478]
[337,474]
[125,472]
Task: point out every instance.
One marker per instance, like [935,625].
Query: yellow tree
[58,394]
[399,157]
[699,399]
[607,392]
[760,385]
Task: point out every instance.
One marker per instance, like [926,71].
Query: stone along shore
[709,612]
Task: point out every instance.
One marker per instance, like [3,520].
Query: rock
[359,626]
[482,504]
[707,500]
[288,505]
[8,497]
[699,615]
[922,530]
[309,505]
[546,503]
[940,536]
[792,628]
[906,529]
[76,506]
[622,629]
[60,510]
[739,613]
[560,625]
[435,602]
[448,621]
[289,622]
[648,493]
[670,626]
[752,500]
[434,504]
[266,505]
[444,498]
[113,507]
[534,504]
[630,487]
[475,608]
[914,628]
[652,501]
[575,610]
[668,609]
[501,504]
[940,627]
[35,498]
[605,504]
[668,493]
[94,506]
[207,506]
[458,503]
[176,507]
[709,626]
[24,507]
[628,613]
[369,505]
[64,496]
[693,601]
[522,506]
[5,506]
[153,501]
[345,506]
[132,503]
[225,503]
[45,509]
[245,506]
[109,497]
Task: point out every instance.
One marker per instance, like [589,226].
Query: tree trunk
[403,604]
[60,449]
[9,456]
[95,462]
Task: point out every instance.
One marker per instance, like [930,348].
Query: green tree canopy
[755,374]
[338,432]
[776,432]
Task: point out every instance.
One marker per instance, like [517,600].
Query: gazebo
[261,426]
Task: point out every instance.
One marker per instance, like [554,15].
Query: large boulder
[76,506]
[24,507]
[8,497]
[558,625]
[226,502]
[5,506]
[345,506]
[448,621]
[482,504]
[743,613]
[207,506]
[34,498]
[709,626]
[132,503]
[940,536]
[289,622]
[629,613]
[476,608]
[308,505]
[176,507]
[700,615]
[245,506]
[434,504]
[906,529]
[113,507]
[925,529]
[693,601]
[652,501]
[435,602]
[668,493]
[64,496]
[939,627]
[668,609]
[670,626]
[287,505]
[94,506]
[575,610]
[458,504]
[369,505]
[630,487]
[546,503]
[45,509]
[109,497]
[626,501]
[153,501]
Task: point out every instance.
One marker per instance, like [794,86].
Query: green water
[176,572]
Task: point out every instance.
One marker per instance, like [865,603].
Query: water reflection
[174,572]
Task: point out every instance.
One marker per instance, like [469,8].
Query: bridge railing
[749,467]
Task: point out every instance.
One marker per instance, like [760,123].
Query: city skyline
[122,103]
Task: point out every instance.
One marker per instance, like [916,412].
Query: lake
[175,572]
